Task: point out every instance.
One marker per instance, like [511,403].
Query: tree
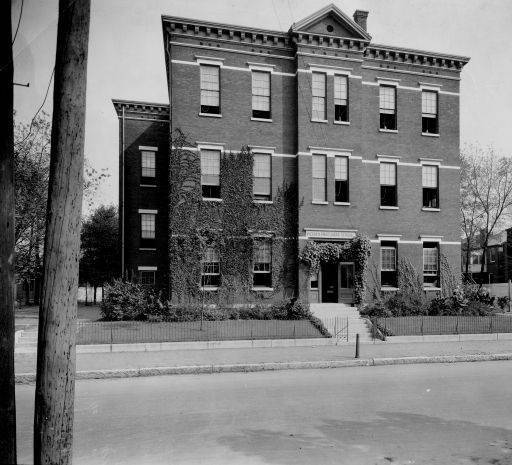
[55,379]
[31,172]
[99,261]
[486,196]
[7,393]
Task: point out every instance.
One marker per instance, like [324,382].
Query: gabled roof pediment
[330,20]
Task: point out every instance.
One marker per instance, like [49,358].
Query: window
[262,274]
[388,261]
[148,166]
[210,268]
[429,120]
[341,179]
[147,278]
[387,107]
[261,94]
[430,264]
[313,281]
[318,92]
[388,194]
[492,254]
[430,176]
[262,176]
[341,98]
[210,89]
[147,225]
[210,174]
[319,178]
[476,258]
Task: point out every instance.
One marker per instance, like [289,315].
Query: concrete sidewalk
[115,364]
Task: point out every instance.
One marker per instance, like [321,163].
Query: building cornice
[144,110]
[417,57]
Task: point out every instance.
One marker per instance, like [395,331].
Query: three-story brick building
[366,135]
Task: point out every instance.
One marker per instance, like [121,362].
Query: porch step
[342,321]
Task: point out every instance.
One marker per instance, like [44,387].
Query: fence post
[111,335]
[294,330]
[357,345]
[347,328]
[457,326]
[490,325]
[422,319]
[509,295]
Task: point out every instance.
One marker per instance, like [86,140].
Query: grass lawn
[435,325]
[119,332]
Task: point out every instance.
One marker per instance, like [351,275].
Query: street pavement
[26,363]
[413,414]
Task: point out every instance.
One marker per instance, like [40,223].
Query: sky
[126,56]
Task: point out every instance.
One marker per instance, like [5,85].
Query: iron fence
[125,332]
[439,325]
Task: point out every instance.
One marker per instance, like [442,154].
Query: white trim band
[147,268]
[149,212]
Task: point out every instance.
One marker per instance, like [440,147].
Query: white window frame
[315,116]
[149,215]
[210,273]
[268,156]
[204,89]
[202,151]
[254,94]
[266,241]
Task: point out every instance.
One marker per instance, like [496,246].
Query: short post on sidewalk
[357,345]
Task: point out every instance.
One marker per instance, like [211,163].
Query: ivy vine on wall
[230,225]
[357,250]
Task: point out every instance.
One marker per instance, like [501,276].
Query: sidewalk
[314,356]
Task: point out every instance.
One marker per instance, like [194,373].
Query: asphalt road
[415,414]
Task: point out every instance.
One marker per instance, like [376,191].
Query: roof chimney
[360,17]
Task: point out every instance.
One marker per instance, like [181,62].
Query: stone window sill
[319,121]
[210,199]
[148,185]
[429,134]
[207,289]
[343,123]
[319,202]
[389,289]
[428,209]
[268,202]
[148,248]
[265,289]
[263,120]
[342,203]
[384,207]
[210,115]
[431,288]
[390,131]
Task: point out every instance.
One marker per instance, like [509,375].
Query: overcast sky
[126,57]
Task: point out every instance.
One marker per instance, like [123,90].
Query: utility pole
[7,394]
[55,383]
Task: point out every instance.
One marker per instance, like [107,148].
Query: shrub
[503,302]
[124,301]
[376,309]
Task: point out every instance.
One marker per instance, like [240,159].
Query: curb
[29,378]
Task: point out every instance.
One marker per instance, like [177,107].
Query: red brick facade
[327,42]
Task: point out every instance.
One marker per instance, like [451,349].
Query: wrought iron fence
[439,325]
[123,332]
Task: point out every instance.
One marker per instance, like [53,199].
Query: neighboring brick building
[368,134]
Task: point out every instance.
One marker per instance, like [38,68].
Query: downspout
[122,196]
[169,90]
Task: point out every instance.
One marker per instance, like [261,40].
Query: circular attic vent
[330,28]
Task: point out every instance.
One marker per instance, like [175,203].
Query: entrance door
[330,282]
[347,282]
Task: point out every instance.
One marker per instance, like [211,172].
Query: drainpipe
[122,195]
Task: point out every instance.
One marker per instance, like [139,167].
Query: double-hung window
[262,169]
[430,181]
[429,110]
[210,268]
[148,167]
[319,178]
[341,179]
[147,225]
[210,89]
[340,98]
[388,264]
[262,263]
[261,94]
[210,174]
[318,90]
[388,190]
[430,264]
[387,104]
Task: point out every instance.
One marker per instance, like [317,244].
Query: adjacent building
[341,136]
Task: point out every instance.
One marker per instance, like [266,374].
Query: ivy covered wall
[231,225]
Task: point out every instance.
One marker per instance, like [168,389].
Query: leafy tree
[31,171]
[99,260]
[486,197]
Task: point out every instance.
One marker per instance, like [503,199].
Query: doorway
[346,294]
[330,282]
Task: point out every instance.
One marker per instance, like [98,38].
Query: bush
[503,302]
[124,301]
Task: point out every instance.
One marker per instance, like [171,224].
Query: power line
[19,22]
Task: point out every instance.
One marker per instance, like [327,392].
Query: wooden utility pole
[7,399]
[55,383]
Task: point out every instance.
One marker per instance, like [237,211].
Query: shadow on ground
[393,438]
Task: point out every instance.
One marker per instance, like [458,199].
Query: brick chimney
[360,17]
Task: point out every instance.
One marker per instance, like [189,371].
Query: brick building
[366,134]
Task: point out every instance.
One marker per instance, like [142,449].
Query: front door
[330,282]
[347,283]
